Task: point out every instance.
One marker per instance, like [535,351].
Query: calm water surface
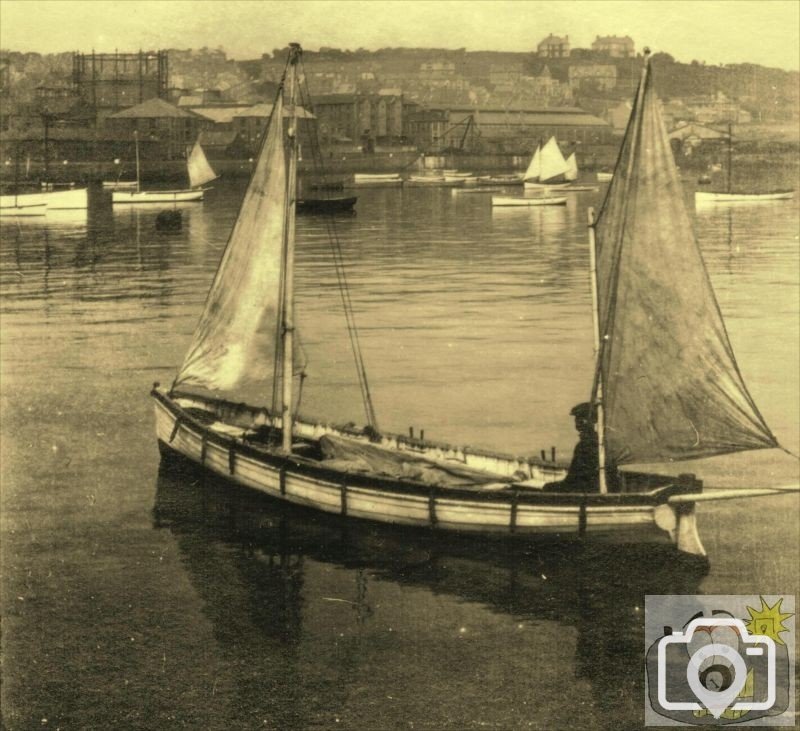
[135,597]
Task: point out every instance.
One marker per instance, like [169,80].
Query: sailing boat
[547,168]
[572,168]
[200,173]
[15,204]
[666,386]
[729,196]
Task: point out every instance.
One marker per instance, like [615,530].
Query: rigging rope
[341,276]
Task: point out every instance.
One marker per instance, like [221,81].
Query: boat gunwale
[515,494]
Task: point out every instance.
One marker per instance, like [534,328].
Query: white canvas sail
[200,171]
[553,163]
[572,168]
[535,167]
[236,341]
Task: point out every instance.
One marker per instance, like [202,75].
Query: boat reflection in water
[323,609]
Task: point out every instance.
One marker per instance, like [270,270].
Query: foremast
[287,308]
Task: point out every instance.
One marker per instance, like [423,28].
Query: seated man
[583,473]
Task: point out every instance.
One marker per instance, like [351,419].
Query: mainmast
[598,401]
[600,339]
[730,155]
[288,269]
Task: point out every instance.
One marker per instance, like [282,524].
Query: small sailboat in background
[547,168]
[572,168]
[729,196]
[199,170]
[666,385]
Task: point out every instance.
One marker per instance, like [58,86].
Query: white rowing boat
[702,196]
[545,200]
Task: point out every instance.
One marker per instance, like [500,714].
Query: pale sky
[728,31]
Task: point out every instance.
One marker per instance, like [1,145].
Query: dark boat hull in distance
[231,440]
[326,205]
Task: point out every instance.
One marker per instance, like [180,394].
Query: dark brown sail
[672,389]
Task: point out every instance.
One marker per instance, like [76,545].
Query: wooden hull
[421,180]
[377,180]
[545,186]
[73,198]
[709,197]
[500,180]
[25,209]
[156,196]
[119,185]
[500,200]
[326,205]
[221,447]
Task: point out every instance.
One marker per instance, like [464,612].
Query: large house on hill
[615,46]
[554,47]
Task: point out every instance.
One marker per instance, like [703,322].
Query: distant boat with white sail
[200,173]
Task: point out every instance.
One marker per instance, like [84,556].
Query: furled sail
[671,387]
[237,339]
[200,171]
[572,168]
[535,166]
[553,163]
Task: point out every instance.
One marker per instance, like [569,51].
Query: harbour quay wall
[341,164]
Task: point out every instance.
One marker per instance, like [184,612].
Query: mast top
[295,51]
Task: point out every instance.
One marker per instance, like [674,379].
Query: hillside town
[88,105]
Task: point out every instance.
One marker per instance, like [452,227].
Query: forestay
[200,171]
[237,338]
[672,389]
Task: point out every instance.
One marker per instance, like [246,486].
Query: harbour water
[138,597]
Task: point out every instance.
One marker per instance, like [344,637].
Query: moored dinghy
[544,200]
[703,197]
[200,173]
[644,388]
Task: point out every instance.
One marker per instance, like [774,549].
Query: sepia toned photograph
[399,364]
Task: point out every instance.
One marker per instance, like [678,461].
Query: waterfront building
[498,129]
[158,120]
[370,118]
[251,122]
